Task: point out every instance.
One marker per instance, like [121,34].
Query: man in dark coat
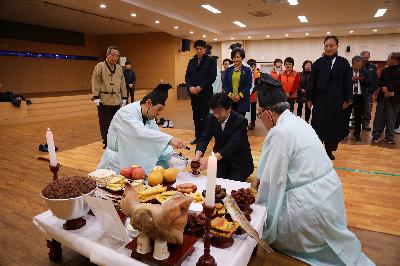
[232,147]
[130,80]
[329,91]
[360,96]
[200,75]
[372,75]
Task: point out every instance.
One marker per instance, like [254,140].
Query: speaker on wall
[348,49]
[185,45]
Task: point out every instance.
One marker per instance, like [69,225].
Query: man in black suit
[200,75]
[232,147]
[360,96]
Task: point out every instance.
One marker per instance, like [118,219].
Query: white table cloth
[91,240]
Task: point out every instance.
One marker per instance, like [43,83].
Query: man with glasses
[109,90]
[134,137]
[306,214]
[232,147]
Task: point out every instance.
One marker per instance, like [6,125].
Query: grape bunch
[243,196]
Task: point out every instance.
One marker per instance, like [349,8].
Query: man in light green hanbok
[306,213]
[134,137]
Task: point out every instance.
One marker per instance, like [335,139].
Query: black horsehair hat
[270,91]
[158,95]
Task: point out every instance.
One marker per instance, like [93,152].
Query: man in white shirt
[360,96]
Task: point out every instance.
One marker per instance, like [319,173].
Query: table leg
[55,252]
[254,251]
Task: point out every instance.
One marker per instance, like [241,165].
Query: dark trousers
[201,109]
[253,113]
[358,108]
[397,124]
[131,94]
[385,116]
[291,102]
[106,114]
[235,107]
[367,111]
[331,146]
[300,111]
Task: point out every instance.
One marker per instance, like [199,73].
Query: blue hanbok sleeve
[273,176]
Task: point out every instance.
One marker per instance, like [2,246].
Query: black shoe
[104,147]
[366,128]
[330,155]
[250,127]
[44,148]
[357,137]
[389,141]
[194,142]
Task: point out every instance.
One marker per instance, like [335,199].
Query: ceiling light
[249,37]
[103,6]
[176,27]
[191,32]
[307,34]
[375,30]
[232,38]
[211,9]
[286,35]
[328,32]
[267,36]
[351,31]
[157,22]
[215,39]
[302,19]
[293,2]
[204,36]
[240,24]
[380,12]
[133,15]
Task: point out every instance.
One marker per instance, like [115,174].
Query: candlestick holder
[54,170]
[206,259]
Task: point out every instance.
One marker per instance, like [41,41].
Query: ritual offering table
[93,242]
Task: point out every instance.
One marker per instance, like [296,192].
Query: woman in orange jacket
[290,81]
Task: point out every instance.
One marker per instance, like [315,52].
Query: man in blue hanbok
[134,137]
[306,213]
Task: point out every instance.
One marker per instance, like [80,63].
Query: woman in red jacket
[290,80]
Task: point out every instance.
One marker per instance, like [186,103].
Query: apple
[137,172]
[126,172]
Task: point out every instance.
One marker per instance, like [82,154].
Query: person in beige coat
[109,90]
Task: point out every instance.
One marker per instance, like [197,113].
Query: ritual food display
[196,224]
[160,175]
[219,210]
[102,176]
[134,172]
[244,198]
[186,188]
[63,197]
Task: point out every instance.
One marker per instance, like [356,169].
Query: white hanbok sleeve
[274,162]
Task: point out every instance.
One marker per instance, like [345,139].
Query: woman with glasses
[237,82]
[306,214]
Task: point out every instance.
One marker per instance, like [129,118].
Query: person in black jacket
[372,75]
[329,91]
[304,75]
[200,75]
[360,96]
[232,147]
[388,100]
[130,80]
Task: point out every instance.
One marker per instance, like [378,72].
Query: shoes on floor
[375,140]
[250,127]
[165,124]
[366,128]
[44,148]
[330,155]
[397,130]
[194,142]
[389,141]
[170,124]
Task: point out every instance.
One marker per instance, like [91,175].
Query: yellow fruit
[170,174]
[158,169]
[155,178]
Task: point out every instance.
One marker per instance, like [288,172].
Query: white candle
[51,148]
[211,180]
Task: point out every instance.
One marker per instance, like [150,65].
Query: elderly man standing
[200,76]
[109,90]
[306,214]
[372,75]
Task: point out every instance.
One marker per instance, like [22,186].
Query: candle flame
[212,154]
[48,129]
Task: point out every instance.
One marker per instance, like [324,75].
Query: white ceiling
[337,17]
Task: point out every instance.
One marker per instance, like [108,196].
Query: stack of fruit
[134,172]
[159,175]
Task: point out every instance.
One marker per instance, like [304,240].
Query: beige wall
[379,45]
[30,75]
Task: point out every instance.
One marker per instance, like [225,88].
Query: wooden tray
[178,253]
